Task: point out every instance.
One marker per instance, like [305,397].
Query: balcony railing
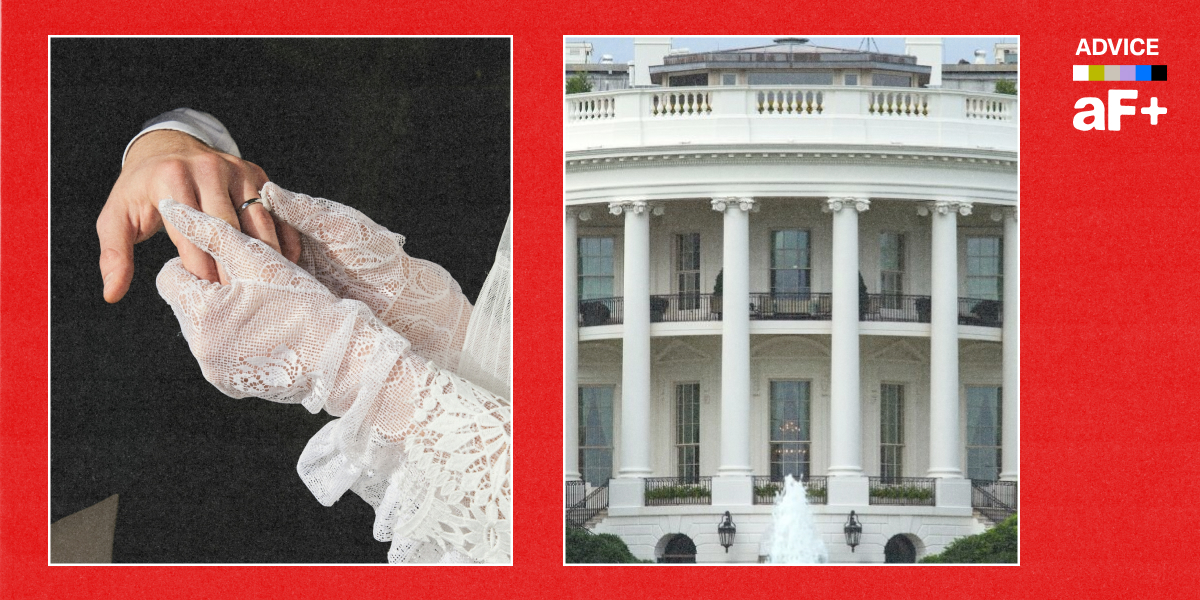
[781,114]
[582,511]
[678,491]
[996,500]
[766,487]
[685,307]
[984,313]
[896,308]
[904,491]
[804,306]
[811,306]
[600,311]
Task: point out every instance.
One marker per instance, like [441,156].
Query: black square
[1158,72]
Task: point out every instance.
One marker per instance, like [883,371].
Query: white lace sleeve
[359,259]
[429,449]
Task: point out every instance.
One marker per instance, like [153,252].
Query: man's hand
[173,164]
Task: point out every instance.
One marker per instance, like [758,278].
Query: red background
[1109,251]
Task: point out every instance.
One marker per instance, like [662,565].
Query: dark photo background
[413,132]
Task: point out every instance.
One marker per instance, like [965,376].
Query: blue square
[1143,72]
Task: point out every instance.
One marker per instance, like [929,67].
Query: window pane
[984,267]
[595,267]
[789,411]
[687,430]
[595,433]
[790,271]
[983,432]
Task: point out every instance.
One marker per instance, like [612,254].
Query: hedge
[996,545]
[584,547]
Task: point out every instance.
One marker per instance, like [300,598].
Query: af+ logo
[1096,116]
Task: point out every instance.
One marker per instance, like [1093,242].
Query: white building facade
[765,279]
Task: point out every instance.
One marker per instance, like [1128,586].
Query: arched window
[900,549]
[680,549]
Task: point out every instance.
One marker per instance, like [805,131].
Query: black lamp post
[853,531]
[727,530]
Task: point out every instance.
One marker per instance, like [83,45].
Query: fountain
[794,538]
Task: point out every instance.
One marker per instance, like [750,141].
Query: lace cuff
[444,492]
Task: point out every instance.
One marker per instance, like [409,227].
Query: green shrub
[1006,86]
[906,492]
[584,547]
[996,545]
[677,491]
[579,84]
[771,489]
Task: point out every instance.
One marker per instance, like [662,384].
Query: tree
[579,84]
[1006,86]
[996,545]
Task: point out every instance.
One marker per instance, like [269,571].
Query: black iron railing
[985,313]
[678,491]
[996,500]
[904,491]
[685,307]
[600,311]
[807,306]
[811,306]
[574,492]
[594,503]
[896,308]
[766,487]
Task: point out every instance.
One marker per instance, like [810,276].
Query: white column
[944,440]
[735,337]
[635,360]
[1011,404]
[845,418]
[571,346]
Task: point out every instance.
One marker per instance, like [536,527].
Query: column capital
[945,207]
[636,207]
[746,204]
[582,213]
[1003,212]
[837,204]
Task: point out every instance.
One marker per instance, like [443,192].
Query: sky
[954,48]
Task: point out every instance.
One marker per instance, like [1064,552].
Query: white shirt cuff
[197,124]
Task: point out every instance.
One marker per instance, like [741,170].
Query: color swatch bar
[1119,72]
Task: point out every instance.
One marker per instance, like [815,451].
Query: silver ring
[248,203]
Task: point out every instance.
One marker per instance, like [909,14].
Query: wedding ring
[248,203]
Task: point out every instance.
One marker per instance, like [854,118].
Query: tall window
[983,433]
[595,267]
[985,275]
[687,431]
[891,269]
[790,435]
[687,270]
[595,434]
[891,430]
[791,267]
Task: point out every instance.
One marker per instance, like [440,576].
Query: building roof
[597,68]
[986,68]
[785,53]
